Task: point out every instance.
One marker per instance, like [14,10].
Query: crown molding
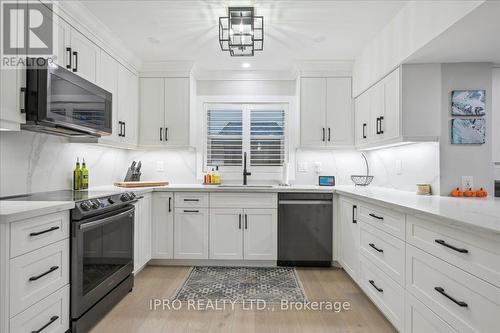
[244,75]
[324,68]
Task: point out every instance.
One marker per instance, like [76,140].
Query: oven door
[102,252]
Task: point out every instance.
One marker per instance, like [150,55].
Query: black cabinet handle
[364,132]
[442,292]
[120,124]
[53,268]
[161,131]
[124,128]
[354,208]
[376,248]
[75,54]
[169,204]
[166,133]
[191,211]
[442,242]
[68,65]
[376,126]
[376,216]
[380,290]
[323,134]
[191,199]
[329,134]
[239,221]
[246,221]
[32,234]
[380,122]
[52,319]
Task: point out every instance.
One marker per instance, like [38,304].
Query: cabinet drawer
[477,255]
[243,200]
[420,319]
[383,291]
[385,251]
[191,199]
[52,313]
[34,233]
[36,275]
[458,297]
[385,219]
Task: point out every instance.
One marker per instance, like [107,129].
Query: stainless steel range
[102,251]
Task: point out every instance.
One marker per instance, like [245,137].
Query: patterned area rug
[241,284]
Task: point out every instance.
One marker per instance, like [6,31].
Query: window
[258,130]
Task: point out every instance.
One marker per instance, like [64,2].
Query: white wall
[465,160]
[414,26]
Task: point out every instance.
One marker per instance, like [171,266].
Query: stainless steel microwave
[60,102]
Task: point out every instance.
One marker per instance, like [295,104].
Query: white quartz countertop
[481,213]
[11,211]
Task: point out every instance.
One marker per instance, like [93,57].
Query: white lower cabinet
[260,241]
[191,233]
[163,226]
[226,235]
[349,235]
[142,232]
[420,319]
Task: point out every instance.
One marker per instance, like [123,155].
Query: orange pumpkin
[457,193]
[469,193]
[481,193]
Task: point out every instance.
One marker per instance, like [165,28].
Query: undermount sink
[245,186]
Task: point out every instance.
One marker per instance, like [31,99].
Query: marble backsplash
[34,162]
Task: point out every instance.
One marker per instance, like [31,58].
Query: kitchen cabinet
[163,226]
[191,233]
[142,232]
[349,235]
[226,236]
[402,107]
[84,55]
[326,117]
[164,112]
[107,78]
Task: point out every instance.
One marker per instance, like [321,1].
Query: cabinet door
[128,91]
[362,118]
[376,112]
[313,112]
[349,238]
[260,234]
[176,112]
[163,226]
[339,119]
[191,233]
[84,56]
[146,225]
[226,234]
[137,236]
[391,122]
[62,41]
[151,111]
[107,78]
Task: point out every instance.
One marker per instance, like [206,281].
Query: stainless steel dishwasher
[305,222]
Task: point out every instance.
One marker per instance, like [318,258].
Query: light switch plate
[399,167]
[467,182]
[318,167]
[160,166]
[302,166]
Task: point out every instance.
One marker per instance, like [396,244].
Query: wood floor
[133,313]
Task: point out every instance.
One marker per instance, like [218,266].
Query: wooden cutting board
[141,184]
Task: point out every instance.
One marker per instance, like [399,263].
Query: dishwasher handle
[305,202]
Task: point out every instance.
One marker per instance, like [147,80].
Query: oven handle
[106,220]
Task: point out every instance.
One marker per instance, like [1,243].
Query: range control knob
[85,206]
[125,197]
[111,201]
[95,203]
[132,195]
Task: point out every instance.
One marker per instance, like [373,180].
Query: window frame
[246,136]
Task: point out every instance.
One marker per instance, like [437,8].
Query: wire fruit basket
[359,180]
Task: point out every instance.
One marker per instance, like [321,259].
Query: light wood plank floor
[133,313]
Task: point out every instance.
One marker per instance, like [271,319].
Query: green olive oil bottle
[77,174]
[85,176]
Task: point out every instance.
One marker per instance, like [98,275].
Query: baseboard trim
[208,262]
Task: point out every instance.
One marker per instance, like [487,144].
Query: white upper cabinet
[84,56]
[326,112]
[128,104]
[405,106]
[164,112]
[107,78]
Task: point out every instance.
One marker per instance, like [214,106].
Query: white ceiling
[187,30]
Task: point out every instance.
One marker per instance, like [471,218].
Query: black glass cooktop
[63,195]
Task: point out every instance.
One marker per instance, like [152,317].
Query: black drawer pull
[442,242]
[354,208]
[380,290]
[442,292]
[376,248]
[52,319]
[191,211]
[376,216]
[191,199]
[169,204]
[43,232]
[53,268]
[239,221]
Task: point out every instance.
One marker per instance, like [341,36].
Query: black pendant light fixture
[241,32]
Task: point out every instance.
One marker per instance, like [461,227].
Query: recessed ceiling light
[245,65]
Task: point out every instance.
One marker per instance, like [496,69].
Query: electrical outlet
[160,166]
[399,167]
[302,166]
[467,182]
[317,167]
